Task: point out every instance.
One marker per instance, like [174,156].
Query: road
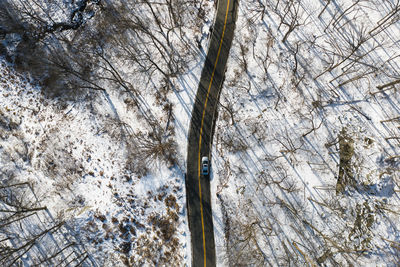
[201,133]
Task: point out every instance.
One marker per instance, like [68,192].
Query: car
[205,165]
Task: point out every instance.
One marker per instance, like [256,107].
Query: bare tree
[388,20]
[325,7]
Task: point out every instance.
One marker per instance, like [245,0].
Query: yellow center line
[201,129]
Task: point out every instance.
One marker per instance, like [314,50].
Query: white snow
[79,158]
[271,170]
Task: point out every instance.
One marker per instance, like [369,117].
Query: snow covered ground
[79,172]
[295,109]
[111,168]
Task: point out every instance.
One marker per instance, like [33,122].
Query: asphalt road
[201,133]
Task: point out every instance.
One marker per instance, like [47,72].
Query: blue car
[204,165]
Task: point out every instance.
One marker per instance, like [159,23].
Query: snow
[72,155]
[84,155]
[274,177]
[77,160]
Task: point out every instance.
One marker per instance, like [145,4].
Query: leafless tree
[290,14]
[389,19]
[325,7]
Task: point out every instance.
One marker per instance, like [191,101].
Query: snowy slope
[93,158]
[288,107]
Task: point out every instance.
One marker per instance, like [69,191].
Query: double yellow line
[201,128]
